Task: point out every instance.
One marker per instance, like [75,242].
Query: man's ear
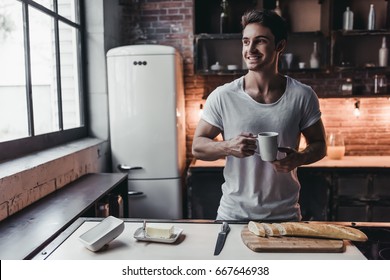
[281,45]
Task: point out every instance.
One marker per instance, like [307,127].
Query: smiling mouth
[253,58]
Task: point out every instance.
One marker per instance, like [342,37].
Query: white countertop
[196,243]
[347,161]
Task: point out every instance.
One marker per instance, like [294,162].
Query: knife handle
[225,227]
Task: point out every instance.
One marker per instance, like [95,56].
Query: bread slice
[279,228]
[269,230]
[256,229]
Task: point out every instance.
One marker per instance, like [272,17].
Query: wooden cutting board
[291,244]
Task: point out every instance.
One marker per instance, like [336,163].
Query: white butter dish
[103,233]
[217,67]
[140,235]
[232,67]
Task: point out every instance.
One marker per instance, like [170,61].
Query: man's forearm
[313,152]
[208,149]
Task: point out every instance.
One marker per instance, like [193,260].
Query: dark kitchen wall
[171,23]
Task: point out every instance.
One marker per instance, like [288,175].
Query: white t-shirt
[252,188]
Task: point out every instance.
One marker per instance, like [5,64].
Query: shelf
[367,68]
[222,48]
[357,49]
[207,15]
[379,32]
[360,11]
[355,96]
[226,49]
[238,72]
[304,70]
[218,36]
[354,52]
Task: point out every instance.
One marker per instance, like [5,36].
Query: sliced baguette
[266,229]
[256,229]
[281,230]
[274,229]
[323,230]
[269,231]
[320,230]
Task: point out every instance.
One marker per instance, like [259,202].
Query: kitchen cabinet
[204,181]
[321,23]
[204,191]
[361,196]
[314,197]
[345,194]
[331,190]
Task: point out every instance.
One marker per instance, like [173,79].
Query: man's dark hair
[269,19]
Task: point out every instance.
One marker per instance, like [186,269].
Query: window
[41,91]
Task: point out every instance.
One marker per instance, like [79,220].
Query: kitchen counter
[347,161]
[354,161]
[197,242]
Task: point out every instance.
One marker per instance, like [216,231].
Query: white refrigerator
[147,127]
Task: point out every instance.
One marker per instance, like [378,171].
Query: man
[262,100]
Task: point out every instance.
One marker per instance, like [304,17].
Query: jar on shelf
[380,84]
[371,18]
[224,17]
[383,54]
[277,9]
[348,19]
[315,57]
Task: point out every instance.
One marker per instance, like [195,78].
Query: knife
[221,238]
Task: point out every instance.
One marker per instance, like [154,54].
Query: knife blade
[221,238]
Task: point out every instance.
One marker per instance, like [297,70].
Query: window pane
[70,76]
[43,73]
[69,9]
[13,104]
[46,3]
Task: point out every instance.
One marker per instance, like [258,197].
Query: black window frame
[33,143]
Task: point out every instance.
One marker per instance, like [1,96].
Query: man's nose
[252,46]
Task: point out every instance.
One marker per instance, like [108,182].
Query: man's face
[258,48]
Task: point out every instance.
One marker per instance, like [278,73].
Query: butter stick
[159,231]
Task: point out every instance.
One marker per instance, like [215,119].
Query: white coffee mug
[267,145]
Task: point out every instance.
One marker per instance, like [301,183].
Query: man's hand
[243,145]
[291,161]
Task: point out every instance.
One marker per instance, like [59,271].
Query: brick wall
[171,23]
[368,134]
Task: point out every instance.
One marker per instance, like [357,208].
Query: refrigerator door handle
[135,193]
[127,168]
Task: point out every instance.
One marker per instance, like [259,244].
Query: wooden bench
[26,232]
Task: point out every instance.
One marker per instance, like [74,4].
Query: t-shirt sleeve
[311,113]
[212,109]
